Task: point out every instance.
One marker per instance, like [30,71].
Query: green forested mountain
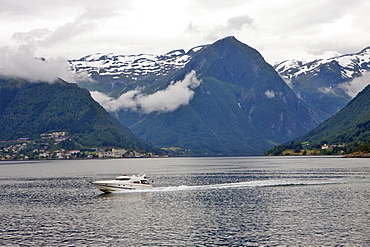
[242,106]
[350,125]
[30,109]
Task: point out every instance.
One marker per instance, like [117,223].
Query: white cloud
[30,37]
[21,62]
[270,94]
[125,101]
[238,22]
[217,31]
[326,90]
[353,87]
[279,30]
[84,23]
[175,95]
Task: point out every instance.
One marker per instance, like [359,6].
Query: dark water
[241,201]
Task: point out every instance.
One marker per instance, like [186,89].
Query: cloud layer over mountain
[175,95]
[21,58]
[352,88]
[21,62]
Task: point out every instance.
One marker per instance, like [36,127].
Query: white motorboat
[124,182]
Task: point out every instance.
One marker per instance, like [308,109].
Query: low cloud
[238,22]
[326,90]
[126,101]
[175,95]
[353,87]
[22,61]
[84,23]
[270,94]
[232,25]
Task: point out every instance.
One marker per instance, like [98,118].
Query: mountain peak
[229,54]
[365,50]
[227,38]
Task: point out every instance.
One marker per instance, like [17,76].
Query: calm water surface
[239,201]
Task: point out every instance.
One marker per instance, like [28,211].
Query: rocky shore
[357,155]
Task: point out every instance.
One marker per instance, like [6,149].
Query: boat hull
[124,182]
[111,187]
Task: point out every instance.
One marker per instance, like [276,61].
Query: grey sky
[279,29]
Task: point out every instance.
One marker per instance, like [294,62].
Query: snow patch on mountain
[352,66]
[133,66]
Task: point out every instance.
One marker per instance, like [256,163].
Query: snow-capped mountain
[351,66]
[327,85]
[133,66]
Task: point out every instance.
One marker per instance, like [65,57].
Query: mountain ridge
[327,85]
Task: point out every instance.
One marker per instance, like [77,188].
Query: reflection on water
[250,201]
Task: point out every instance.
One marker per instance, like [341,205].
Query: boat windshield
[122,178]
[144,182]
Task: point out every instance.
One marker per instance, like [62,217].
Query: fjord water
[237,201]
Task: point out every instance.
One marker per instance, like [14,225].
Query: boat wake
[261,183]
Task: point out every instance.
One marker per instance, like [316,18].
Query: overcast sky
[278,29]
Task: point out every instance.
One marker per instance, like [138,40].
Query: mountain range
[216,99]
[111,72]
[327,85]
[235,102]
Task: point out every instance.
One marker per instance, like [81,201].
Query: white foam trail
[261,183]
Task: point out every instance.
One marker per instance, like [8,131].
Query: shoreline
[357,155]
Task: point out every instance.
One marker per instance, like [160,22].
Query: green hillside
[350,126]
[28,110]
